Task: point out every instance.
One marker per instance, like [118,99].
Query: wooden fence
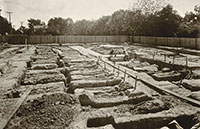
[193,43]
[76,39]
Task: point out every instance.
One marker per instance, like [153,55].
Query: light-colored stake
[26,43]
[165,57]
[98,60]
[124,75]
[118,71]
[186,61]
[134,56]
[114,68]
[135,83]
[173,59]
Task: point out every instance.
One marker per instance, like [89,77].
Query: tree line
[147,18]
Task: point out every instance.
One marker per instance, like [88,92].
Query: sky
[76,9]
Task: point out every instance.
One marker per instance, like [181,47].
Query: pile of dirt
[195,95]
[121,89]
[42,77]
[141,66]
[108,49]
[48,112]
[44,50]
[151,106]
[192,84]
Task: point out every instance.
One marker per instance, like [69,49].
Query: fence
[76,39]
[193,43]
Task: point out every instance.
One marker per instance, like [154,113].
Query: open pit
[100,86]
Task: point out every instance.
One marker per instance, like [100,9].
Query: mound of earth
[48,112]
[109,49]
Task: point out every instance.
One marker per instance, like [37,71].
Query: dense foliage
[145,18]
[5,27]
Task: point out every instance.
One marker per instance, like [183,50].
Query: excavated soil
[54,111]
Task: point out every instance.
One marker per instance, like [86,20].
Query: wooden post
[26,43]
[124,76]
[134,56]
[173,59]
[114,67]
[135,83]
[153,56]
[186,61]
[118,71]
[165,57]
[98,60]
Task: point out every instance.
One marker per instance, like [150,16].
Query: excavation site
[99,85]
[99,64]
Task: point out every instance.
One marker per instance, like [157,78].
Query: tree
[60,26]
[121,22]
[190,26]
[148,7]
[118,24]
[5,27]
[33,23]
[138,23]
[22,30]
[167,22]
[83,27]
[100,26]
[197,9]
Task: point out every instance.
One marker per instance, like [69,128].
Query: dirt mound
[108,49]
[48,112]
[151,106]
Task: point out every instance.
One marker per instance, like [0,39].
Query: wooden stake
[26,43]
[114,68]
[153,56]
[186,61]
[98,60]
[124,75]
[135,82]
[165,57]
[134,56]
[173,59]
[118,71]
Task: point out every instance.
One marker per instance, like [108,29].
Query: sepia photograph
[99,64]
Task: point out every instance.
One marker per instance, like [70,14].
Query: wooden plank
[189,100]
[6,119]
